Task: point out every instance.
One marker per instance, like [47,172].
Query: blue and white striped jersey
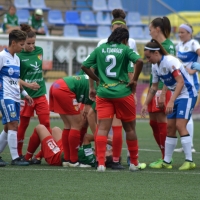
[9,76]
[186,52]
[164,71]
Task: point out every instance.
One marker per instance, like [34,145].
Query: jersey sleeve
[195,45]
[155,78]
[132,44]
[90,60]
[1,62]
[133,56]
[173,65]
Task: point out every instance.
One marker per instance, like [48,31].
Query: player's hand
[196,66]
[92,94]
[169,108]
[34,86]
[143,111]
[29,100]
[135,98]
[133,85]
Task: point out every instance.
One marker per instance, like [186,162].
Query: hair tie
[118,22]
[154,49]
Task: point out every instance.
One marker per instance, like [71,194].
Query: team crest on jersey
[77,77]
[10,71]
[40,56]
[174,68]
[13,114]
[186,48]
[7,61]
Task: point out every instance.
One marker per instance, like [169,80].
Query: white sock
[12,143]
[3,140]
[186,144]
[170,144]
[190,129]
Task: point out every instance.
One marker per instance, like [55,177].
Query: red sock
[24,122]
[117,142]
[133,149]
[156,132]
[95,142]
[163,135]
[44,120]
[33,144]
[83,132]
[65,143]
[101,148]
[74,141]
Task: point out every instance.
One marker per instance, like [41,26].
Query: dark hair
[118,17]
[164,25]
[26,28]
[17,36]
[118,35]
[154,44]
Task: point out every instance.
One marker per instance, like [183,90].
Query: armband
[24,93]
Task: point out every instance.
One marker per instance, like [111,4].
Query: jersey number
[53,146]
[112,59]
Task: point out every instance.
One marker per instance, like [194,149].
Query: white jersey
[186,52]
[164,71]
[9,76]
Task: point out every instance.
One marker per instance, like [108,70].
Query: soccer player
[119,21]
[188,51]
[31,72]
[160,29]
[172,73]
[52,148]
[64,96]
[10,95]
[114,93]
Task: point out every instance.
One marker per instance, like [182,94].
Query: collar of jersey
[162,58]
[6,50]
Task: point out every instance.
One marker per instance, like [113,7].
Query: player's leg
[190,129]
[10,116]
[3,143]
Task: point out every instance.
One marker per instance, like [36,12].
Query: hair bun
[118,13]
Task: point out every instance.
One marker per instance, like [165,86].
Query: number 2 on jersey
[112,59]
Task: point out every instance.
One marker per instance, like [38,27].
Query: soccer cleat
[117,166]
[166,165]
[2,162]
[179,150]
[101,168]
[20,162]
[140,166]
[76,164]
[157,164]
[187,166]
[84,165]
[35,161]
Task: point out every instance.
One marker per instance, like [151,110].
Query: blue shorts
[10,110]
[183,108]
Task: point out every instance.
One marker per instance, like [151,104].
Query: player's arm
[32,86]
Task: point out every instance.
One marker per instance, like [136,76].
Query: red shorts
[81,106]
[124,108]
[40,105]
[153,105]
[52,150]
[62,100]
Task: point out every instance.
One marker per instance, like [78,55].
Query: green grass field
[52,183]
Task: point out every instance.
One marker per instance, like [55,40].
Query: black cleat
[20,162]
[35,161]
[2,163]
[117,166]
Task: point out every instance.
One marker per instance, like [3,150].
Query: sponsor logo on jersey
[171,47]
[40,56]
[13,82]
[77,77]
[164,70]
[13,114]
[36,66]
[25,60]
[7,61]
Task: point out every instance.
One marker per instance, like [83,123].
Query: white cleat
[65,164]
[77,164]
[101,168]
[140,166]
[84,166]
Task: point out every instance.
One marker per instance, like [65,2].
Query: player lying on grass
[52,148]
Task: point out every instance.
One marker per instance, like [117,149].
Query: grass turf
[48,182]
